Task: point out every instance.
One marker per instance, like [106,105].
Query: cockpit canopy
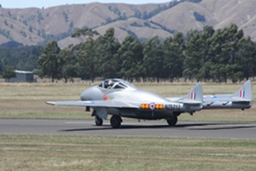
[116,84]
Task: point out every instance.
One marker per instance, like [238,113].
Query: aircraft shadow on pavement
[228,126]
[124,127]
[214,126]
[108,127]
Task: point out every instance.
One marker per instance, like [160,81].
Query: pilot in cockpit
[110,84]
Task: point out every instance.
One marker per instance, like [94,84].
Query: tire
[172,121]
[98,121]
[115,121]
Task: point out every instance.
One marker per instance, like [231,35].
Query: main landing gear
[172,121]
[115,121]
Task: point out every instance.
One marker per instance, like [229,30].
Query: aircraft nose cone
[85,95]
[93,93]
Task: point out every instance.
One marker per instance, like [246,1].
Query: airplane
[241,99]
[120,98]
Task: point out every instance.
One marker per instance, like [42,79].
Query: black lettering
[172,107]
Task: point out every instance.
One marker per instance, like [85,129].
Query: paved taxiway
[130,128]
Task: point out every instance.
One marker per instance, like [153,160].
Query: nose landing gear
[98,120]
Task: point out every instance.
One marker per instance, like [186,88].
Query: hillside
[32,26]
[182,17]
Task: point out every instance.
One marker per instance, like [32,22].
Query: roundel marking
[152,106]
[105,97]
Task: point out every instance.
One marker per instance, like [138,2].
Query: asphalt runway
[129,128]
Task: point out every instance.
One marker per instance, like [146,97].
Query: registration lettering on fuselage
[172,106]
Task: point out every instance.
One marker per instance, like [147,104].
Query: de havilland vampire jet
[120,98]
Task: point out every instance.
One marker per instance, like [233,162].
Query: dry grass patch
[38,109]
[33,152]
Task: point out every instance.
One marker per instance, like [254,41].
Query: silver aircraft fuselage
[150,105]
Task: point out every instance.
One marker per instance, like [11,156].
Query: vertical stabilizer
[196,94]
[245,91]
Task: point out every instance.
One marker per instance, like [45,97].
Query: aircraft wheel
[115,121]
[98,120]
[172,121]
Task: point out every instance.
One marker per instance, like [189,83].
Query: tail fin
[245,91]
[195,95]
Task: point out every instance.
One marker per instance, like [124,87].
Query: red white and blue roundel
[152,105]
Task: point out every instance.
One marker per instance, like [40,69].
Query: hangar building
[22,76]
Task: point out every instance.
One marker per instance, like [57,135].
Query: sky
[50,3]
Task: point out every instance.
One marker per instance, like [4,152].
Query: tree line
[208,55]
[15,56]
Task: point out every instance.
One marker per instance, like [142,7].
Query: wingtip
[49,103]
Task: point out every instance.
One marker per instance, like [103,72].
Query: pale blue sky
[50,3]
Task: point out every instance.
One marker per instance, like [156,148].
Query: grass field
[91,153]
[94,153]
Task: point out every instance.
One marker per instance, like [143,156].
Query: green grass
[28,101]
[46,152]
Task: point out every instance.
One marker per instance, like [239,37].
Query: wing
[99,103]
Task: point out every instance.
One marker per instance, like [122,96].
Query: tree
[107,51]
[1,67]
[193,56]
[86,52]
[131,58]
[8,73]
[246,59]
[84,33]
[69,71]
[153,58]
[69,64]
[173,56]
[87,58]
[27,57]
[206,35]
[50,62]
[198,62]
[223,49]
